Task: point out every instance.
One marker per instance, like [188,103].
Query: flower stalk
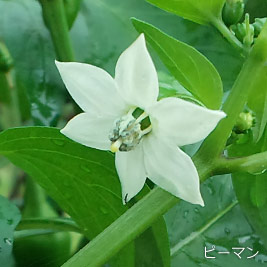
[254,164]
[56,22]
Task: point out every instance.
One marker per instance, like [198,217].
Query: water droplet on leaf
[104,210]
[196,210]
[85,168]
[8,241]
[211,189]
[10,221]
[227,230]
[185,213]
[58,142]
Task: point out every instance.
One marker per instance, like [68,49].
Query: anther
[116,145]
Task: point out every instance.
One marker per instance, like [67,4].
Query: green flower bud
[244,122]
[258,24]
[244,32]
[6,61]
[232,11]
[239,31]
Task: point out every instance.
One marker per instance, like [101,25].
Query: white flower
[124,116]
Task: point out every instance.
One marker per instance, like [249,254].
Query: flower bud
[244,122]
[6,61]
[244,32]
[232,11]
[258,24]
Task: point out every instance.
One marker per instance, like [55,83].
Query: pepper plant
[150,161]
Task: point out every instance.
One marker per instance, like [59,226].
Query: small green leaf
[9,218]
[200,11]
[194,71]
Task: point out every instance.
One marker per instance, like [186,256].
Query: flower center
[129,130]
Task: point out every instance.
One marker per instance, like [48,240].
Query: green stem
[10,77]
[256,163]
[32,232]
[226,33]
[124,229]
[56,21]
[56,224]
[213,146]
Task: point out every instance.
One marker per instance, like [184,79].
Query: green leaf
[82,180]
[152,247]
[186,64]
[9,218]
[201,11]
[220,223]
[251,188]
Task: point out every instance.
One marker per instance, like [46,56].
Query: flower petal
[136,75]
[131,171]
[92,88]
[170,168]
[182,121]
[89,131]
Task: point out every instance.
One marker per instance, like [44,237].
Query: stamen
[147,130]
[129,129]
[141,117]
[116,145]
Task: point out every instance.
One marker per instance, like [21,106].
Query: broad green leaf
[257,102]
[251,188]
[82,180]
[9,218]
[220,223]
[194,71]
[201,11]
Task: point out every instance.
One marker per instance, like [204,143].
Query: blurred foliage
[9,218]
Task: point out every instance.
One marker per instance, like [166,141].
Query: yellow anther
[116,145]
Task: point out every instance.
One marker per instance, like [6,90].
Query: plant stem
[56,21]
[10,77]
[226,33]
[132,223]
[58,224]
[256,163]
[32,232]
[213,146]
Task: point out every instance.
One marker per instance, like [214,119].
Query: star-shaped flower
[124,116]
